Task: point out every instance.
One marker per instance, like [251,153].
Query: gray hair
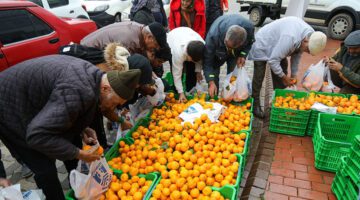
[236,35]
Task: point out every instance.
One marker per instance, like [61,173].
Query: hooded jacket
[278,40]
[46,102]
[199,24]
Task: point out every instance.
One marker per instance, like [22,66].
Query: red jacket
[199,21]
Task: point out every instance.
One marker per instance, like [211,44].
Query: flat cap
[353,39]
[124,83]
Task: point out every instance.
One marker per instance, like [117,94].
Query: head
[314,43]
[154,36]
[147,89]
[352,43]
[187,4]
[195,50]
[235,37]
[140,62]
[116,88]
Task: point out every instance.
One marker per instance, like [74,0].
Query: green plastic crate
[114,150]
[315,114]
[70,195]
[288,121]
[332,139]
[352,168]
[170,80]
[227,192]
[141,122]
[338,185]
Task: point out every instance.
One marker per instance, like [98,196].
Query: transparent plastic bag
[243,86]
[314,77]
[328,85]
[92,185]
[229,85]
[159,96]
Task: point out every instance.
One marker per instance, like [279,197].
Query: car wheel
[256,16]
[118,17]
[340,26]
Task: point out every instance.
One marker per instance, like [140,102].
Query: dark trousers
[44,168]
[259,74]
[189,70]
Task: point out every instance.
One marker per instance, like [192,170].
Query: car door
[3,62]
[25,36]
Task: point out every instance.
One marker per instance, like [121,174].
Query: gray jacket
[215,50]
[45,102]
[278,40]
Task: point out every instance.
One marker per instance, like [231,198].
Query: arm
[280,51]
[350,76]
[177,70]
[46,131]
[295,60]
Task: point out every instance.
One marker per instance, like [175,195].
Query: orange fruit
[194,193]
[207,191]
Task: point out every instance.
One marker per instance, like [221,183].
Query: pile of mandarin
[344,105]
[191,158]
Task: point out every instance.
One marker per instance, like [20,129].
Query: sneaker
[26,172]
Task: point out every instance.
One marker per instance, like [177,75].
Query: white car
[340,16]
[105,12]
[63,8]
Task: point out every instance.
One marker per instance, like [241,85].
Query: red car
[28,31]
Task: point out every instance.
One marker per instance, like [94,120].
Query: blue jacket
[216,53]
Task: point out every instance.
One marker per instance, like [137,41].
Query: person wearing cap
[229,40]
[273,44]
[345,65]
[46,107]
[187,50]
[135,37]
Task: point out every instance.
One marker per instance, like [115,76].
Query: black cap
[159,33]
[353,39]
[164,53]
[138,61]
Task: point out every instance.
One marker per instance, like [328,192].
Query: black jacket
[46,101]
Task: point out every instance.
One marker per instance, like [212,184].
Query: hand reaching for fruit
[87,156]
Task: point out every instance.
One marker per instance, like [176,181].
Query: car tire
[118,17]
[256,16]
[340,26]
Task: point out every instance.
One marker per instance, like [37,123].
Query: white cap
[317,42]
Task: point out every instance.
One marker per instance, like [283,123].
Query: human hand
[126,125]
[199,76]
[287,81]
[240,62]
[182,97]
[336,66]
[89,136]
[87,156]
[212,89]
[5,182]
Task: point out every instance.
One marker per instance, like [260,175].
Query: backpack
[90,54]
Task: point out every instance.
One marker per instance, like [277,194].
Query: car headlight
[101,8]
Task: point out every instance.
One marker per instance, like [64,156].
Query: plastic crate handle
[338,120]
[290,113]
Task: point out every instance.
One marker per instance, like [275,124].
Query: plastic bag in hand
[159,96]
[92,185]
[243,86]
[314,77]
[328,86]
[229,85]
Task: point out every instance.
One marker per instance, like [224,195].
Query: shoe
[258,112]
[26,172]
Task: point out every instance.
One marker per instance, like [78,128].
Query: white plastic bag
[33,195]
[243,86]
[11,193]
[229,85]
[314,77]
[159,96]
[328,86]
[91,186]
[192,112]
[293,87]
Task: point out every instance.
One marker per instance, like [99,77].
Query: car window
[19,25]
[38,2]
[57,3]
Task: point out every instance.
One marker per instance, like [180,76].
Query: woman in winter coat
[188,13]
[141,11]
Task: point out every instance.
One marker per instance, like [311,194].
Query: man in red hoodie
[188,13]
